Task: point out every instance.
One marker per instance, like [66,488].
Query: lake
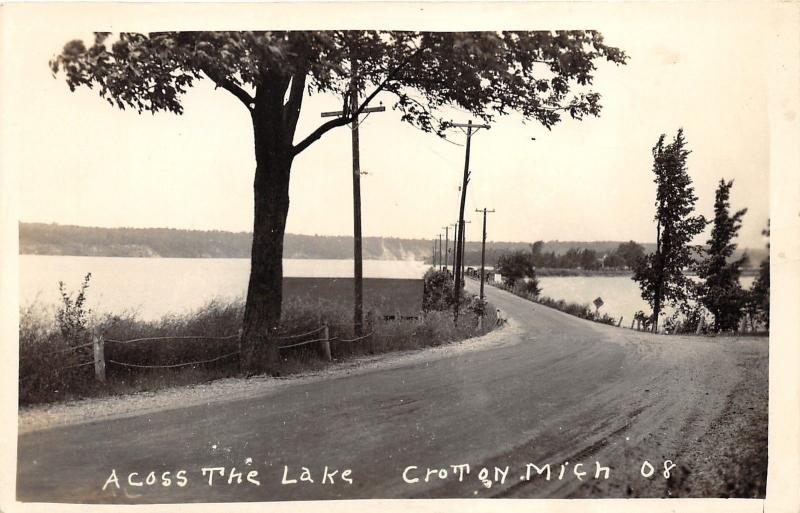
[620,294]
[153,287]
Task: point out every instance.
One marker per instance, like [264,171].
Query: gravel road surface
[549,389]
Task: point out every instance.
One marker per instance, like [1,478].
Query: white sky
[79,161]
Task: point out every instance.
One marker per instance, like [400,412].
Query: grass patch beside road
[584,311]
[54,368]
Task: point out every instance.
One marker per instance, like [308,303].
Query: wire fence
[172,366]
[357,338]
[289,338]
[183,337]
[306,342]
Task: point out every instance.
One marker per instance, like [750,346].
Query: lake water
[156,286]
[620,294]
[153,287]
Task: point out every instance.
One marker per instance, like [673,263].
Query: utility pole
[446,245]
[439,265]
[463,244]
[483,247]
[470,130]
[358,273]
[455,251]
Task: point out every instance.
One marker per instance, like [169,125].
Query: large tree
[720,290]
[661,274]
[542,75]
[630,253]
[515,267]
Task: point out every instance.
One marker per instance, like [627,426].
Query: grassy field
[384,296]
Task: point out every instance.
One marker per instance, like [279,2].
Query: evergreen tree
[720,290]
[660,274]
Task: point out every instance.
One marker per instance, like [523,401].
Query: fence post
[620,322]
[633,321]
[99,358]
[370,321]
[700,325]
[325,343]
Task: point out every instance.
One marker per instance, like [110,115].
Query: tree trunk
[656,309]
[659,264]
[272,140]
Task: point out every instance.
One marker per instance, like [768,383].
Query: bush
[439,291]
[528,288]
[72,316]
[47,365]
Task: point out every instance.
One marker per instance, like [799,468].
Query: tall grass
[45,351]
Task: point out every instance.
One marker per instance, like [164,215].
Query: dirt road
[558,389]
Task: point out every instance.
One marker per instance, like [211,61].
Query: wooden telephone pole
[483,248]
[463,243]
[455,241]
[446,245]
[358,273]
[470,130]
[439,265]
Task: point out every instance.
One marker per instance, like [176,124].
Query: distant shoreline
[69,240]
[541,272]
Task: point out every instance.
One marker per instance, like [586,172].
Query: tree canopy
[486,73]
[515,266]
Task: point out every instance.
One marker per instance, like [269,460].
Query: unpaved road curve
[561,390]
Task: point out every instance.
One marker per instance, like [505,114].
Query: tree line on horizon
[58,239]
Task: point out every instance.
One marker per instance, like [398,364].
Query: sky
[80,161]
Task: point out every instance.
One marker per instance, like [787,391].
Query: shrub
[47,361]
[439,291]
[528,288]
[72,316]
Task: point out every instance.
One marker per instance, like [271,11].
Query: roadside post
[325,342]
[700,325]
[99,358]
